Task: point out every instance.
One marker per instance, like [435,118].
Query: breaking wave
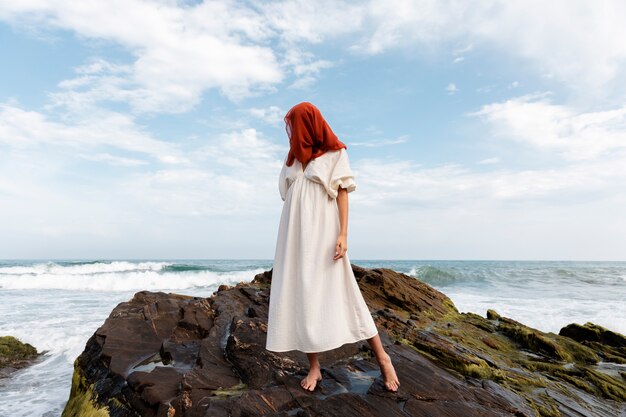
[119,276]
[434,276]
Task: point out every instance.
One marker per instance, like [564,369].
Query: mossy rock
[610,345]
[82,402]
[12,351]
[608,386]
[492,315]
[556,347]
[593,333]
[478,321]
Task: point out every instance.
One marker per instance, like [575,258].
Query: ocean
[57,305]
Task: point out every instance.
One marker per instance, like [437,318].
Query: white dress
[315,302]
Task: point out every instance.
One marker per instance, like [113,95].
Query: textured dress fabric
[315,302]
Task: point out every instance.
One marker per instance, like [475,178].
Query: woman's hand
[341,247]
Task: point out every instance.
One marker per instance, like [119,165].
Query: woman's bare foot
[388,373]
[310,381]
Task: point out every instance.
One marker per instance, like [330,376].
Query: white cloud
[485,89]
[139,207]
[233,175]
[452,89]
[404,188]
[22,129]
[403,22]
[459,53]
[113,159]
[381,142]
[463,50]
[241,49]
[548,36]
[591,146]
[534,120]
[450,211]
[302,21]
[304,66]
[272,115]
[489,161]
[179,51]
[246,149]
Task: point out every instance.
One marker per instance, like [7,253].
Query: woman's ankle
[315,365]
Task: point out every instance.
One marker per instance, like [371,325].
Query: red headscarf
[309,134]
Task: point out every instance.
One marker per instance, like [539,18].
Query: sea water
[57,305]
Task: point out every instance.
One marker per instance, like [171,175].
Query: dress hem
[326,349]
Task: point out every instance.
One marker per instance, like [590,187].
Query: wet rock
[172,355]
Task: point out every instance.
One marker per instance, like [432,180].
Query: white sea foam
[38,391]
[549,314]
[53,268]
[130,280]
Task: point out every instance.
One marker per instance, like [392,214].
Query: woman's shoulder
[334,155]
[337,152]
[324,165]
[327,159]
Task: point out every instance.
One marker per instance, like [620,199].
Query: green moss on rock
[593,333]
[492,315]
[548,411]
[82,402]
[231,391]
[543,344]
[608,386]
[12,350]
[610,345]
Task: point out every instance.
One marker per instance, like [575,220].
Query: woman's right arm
[341,246]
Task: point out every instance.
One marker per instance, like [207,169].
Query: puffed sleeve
[341,175]
[283,184]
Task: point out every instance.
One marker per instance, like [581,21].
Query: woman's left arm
[341,247]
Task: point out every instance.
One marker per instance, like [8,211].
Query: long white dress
[315,302]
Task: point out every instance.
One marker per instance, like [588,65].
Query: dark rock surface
[15,355]
[173,355]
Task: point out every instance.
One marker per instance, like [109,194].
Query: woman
[315,302]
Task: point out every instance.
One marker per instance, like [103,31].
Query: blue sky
[153,129]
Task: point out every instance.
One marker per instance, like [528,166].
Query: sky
[142,129]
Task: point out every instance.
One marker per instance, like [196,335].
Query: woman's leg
[384,361]
[315,374]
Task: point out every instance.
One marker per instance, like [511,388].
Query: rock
[173,355]
[610,345]
[15,355]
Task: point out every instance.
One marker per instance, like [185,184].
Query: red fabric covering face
[309,134]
